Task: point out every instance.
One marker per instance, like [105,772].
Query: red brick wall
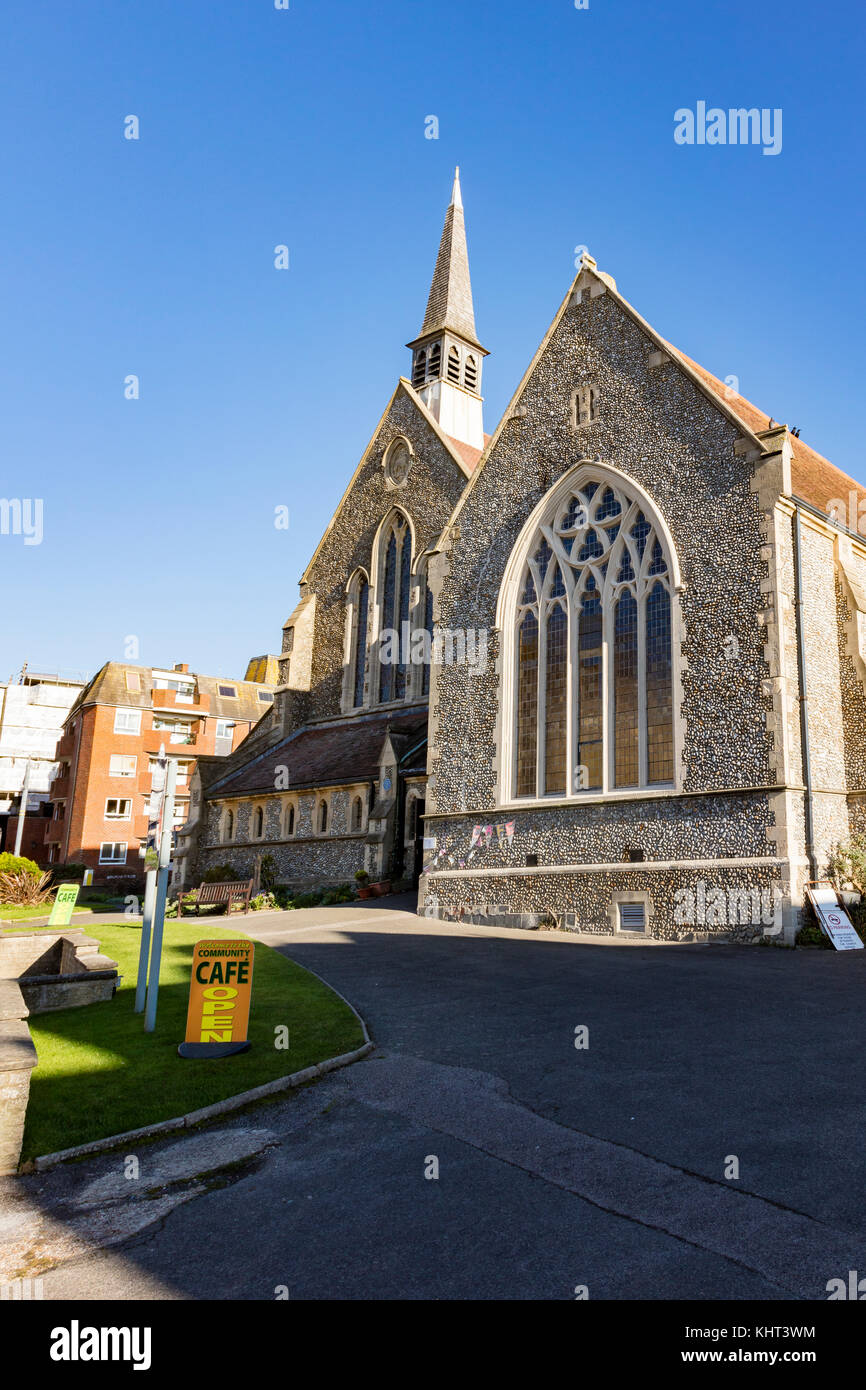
[33,844]
[92,786]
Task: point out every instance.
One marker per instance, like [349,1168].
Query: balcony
[175,744]
[65,747]
[54,831]
[59,790]
[173,700]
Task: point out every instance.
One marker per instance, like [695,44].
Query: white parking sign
[834,919]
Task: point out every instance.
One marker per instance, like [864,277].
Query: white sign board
[834,919]
[429,841]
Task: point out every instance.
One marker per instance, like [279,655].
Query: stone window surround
[632,897]
[417,598]
[506,613]
[590,394]
[393,481]
[317,794]
[352,637]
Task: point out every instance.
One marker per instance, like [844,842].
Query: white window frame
[111,858]
[127,757]
[123,714]
[121,801]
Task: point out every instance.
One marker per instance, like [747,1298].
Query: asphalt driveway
[478,1153]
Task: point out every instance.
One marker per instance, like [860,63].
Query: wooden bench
[224,893]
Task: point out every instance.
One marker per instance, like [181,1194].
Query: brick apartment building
[108,751]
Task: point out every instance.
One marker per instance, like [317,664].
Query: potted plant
[362,878]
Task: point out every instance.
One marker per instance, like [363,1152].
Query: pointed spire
[450,303]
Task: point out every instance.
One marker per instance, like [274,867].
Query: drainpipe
[804,697]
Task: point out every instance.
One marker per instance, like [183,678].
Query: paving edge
[209,1112]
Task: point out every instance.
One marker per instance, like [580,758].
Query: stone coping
[645,866]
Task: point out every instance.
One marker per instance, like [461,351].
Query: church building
[333,779]
[628,695]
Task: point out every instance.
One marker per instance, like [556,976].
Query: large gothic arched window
[357,634]
[592,671]
[394,600]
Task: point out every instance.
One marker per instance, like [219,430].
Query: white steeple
[447,356]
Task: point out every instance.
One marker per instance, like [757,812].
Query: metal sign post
[151,857]
[22,810]
[165,846]
[144,948]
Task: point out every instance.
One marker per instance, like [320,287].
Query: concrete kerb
[208,1112]
[220,1107]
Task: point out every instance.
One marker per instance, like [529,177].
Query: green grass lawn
[9,913]
[99,1073]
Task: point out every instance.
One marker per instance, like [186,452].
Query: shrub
[221,873]
[311,899]
[68,873]
[846,867]
[263,902]
[268,873]
[17,864]
[171,906]
[23,890]
[811,935]
[361,876]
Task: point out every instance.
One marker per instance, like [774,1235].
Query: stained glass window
[625,692]
[363,604]
[402,624]
[596,595]
[556,686]
[589,744]
[659,710]
[527,706]
[428,625]
[389,589]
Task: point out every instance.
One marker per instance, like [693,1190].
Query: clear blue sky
[260,388]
